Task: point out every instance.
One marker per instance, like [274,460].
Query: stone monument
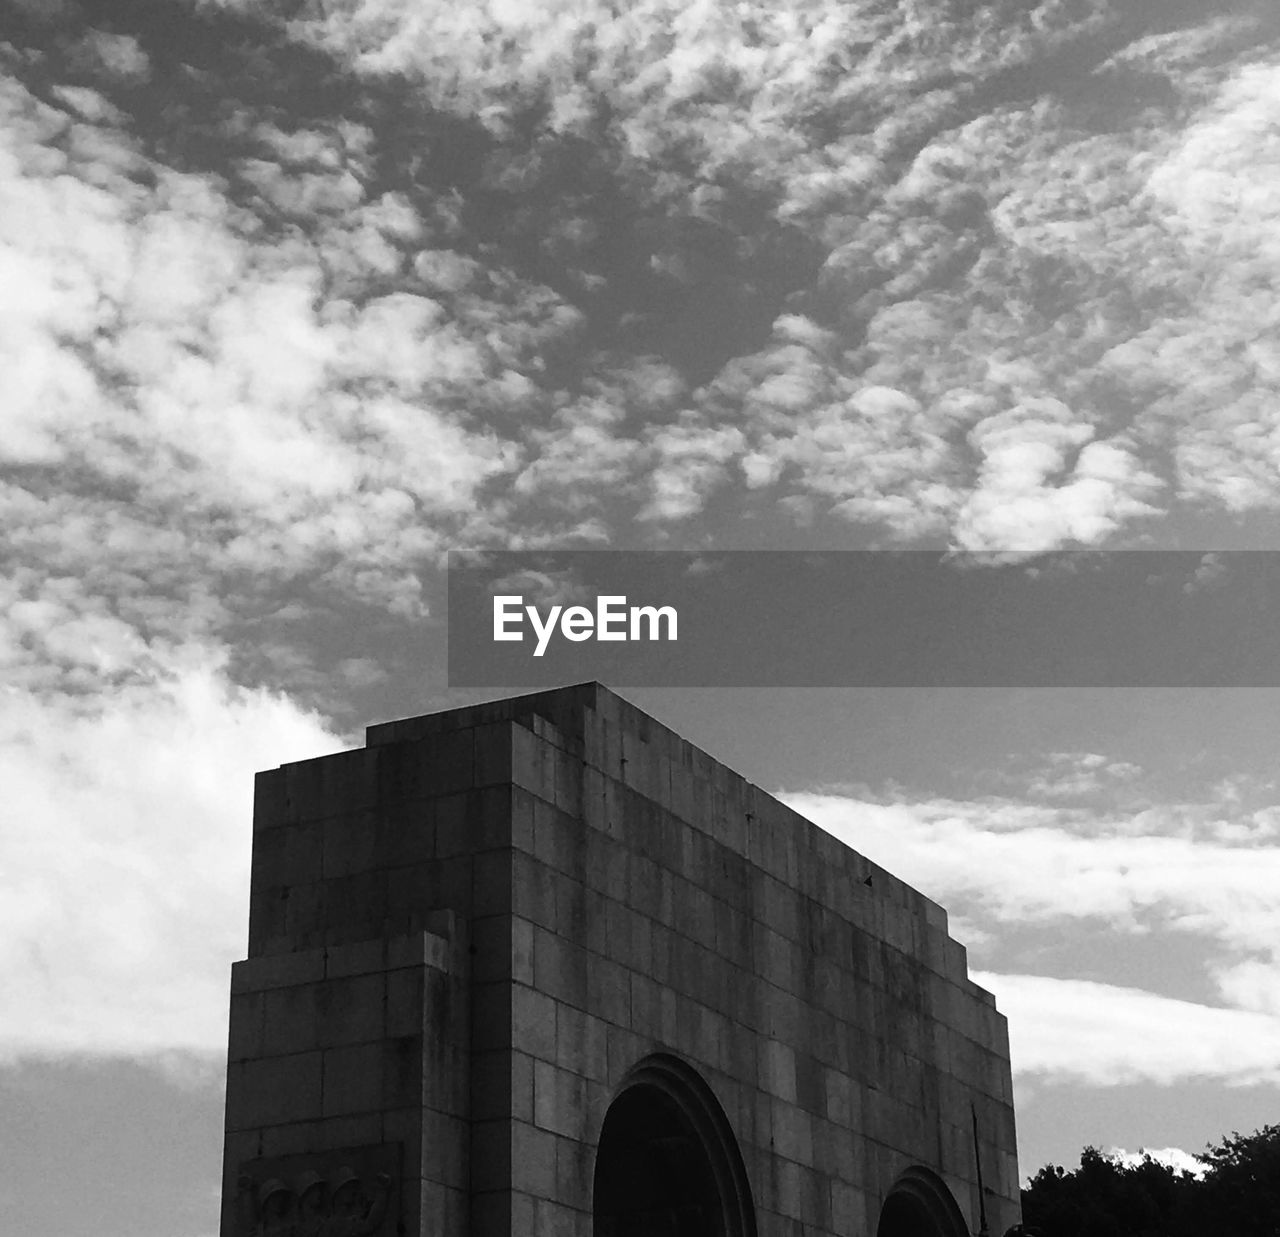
[539,966]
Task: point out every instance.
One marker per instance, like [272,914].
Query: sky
[297,295]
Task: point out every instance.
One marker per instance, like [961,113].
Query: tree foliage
[1238,1194]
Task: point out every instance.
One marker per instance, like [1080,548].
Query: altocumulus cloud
[570,267]
[991,296]
[186,394]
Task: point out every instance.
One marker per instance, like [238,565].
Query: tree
[1106,1198]
[1240,1193]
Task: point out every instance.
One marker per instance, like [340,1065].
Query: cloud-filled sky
[295,297]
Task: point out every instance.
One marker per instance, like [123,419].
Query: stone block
[575,1161]
[344,902]
[957,961]
[533,1022]
[492,890]
[595,905]
[522,934]
[492,747]
[559,1099]
[559,967]
[792,1131]
[450,825]
[290,1020]
[286,856]
[582,1043]
[349,844]
[366,957]
[488,816]
[612,815]
[783,1015]
[424,768]
[245,1031]
[443,1208]
[277,971]
[414,949]
[533,1160]
[639,952]
[294,1138]
[609,990]
[491,1163]
[646,1005]
[491,1095]
[522,1086]
[446,1148]
[571,920]
[491,948]
[350,1010]
[533,764]
[557,839]
[412,890]
[353,1080]
[267,930]
[777,1065]
[533,890]
[329,785]
[568,785]
[273,1091]
[270,803]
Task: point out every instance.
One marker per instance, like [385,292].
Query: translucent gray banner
[864,619]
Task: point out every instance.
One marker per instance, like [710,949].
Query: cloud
[1005,864]
[692,461]
[156,351]
[1043,483]
[124,889]
[1101,1035]
[578,452]
[1071,775]
[1251,984]
[958,281]
[1174,1157]
[120,56]
[1216,370]
[1208,575]
[942,222]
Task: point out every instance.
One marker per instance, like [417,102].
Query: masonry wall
[614,892]
[354,1055]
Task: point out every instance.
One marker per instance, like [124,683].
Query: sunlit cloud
[1103,1035]
[1172,1157]
[124,889]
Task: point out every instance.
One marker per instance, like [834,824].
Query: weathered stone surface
[468,937]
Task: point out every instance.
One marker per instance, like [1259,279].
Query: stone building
[540,966]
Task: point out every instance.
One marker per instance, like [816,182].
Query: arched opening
[667,1164]
[920,1205]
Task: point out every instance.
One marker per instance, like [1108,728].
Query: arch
[920,1205]
[667,1163]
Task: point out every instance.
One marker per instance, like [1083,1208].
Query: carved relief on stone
[345,1193]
